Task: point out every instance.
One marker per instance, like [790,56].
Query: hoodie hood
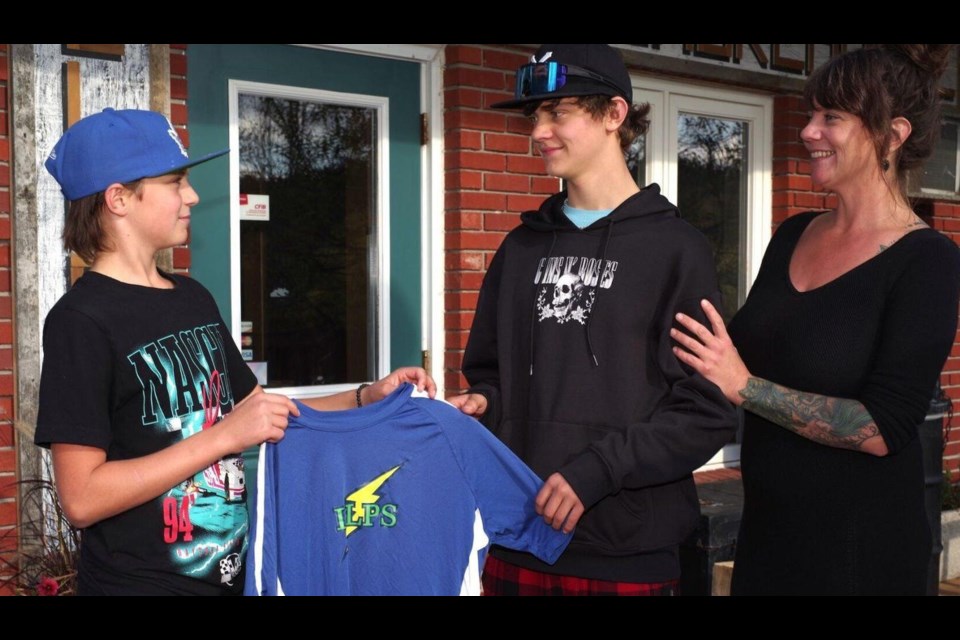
[645,203]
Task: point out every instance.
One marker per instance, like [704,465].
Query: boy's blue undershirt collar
[583,218]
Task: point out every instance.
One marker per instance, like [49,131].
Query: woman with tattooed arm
[837,349]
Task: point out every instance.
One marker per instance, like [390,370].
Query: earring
[885,165]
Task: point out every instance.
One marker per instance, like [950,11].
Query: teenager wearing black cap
[569,357]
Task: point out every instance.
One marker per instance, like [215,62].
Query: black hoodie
[571,346]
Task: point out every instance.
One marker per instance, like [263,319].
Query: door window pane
[637,160]
[308,298]
[940,171]
[712,193]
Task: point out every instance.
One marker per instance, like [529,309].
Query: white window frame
[667,100]
[381,277]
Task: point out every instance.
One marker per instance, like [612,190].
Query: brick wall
[8,458]
[491,175]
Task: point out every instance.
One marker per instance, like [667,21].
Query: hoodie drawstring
[536,296]
[593,310]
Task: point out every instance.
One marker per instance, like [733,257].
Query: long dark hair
[881,82]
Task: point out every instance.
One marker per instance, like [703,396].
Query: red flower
[47,587]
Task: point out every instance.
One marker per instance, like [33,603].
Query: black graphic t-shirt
[133,370]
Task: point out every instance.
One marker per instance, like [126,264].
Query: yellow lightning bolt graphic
[365,495]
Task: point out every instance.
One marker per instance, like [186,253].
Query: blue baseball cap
[117,146]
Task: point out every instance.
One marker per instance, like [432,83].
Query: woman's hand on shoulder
[416,376]
[711,354]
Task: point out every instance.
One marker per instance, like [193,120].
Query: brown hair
[881,82]
[83,230]
[635,124]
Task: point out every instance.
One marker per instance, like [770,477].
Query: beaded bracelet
[360,389]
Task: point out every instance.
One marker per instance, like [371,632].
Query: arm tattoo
[835,422]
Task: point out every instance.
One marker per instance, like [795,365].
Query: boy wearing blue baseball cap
[145,401]
[569,357]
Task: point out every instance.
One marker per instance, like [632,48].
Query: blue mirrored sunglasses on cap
[546,77]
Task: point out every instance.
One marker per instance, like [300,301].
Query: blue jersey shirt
[402,496]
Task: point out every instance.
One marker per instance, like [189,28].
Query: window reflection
[940,171]
[637,160]
[308,300]
[711,157]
